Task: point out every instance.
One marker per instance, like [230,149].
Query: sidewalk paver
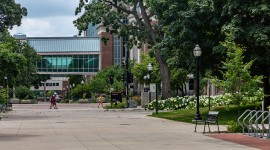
[85,127]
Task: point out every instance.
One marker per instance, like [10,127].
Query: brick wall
[106,51]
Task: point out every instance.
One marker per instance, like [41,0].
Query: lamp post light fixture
[197,53]
[82,82]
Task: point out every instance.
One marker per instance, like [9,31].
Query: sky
[48,18]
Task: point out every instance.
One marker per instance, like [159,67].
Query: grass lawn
[187,115]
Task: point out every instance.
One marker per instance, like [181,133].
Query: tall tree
[11,14]
[11,63]
[27,73]
[141,27]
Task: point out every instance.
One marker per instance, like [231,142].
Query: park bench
[210,118]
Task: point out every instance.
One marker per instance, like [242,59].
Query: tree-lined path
[85,127]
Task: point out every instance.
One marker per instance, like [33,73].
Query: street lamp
[150,68]
[64,93]
[82,82]
[67,91]
[197,53]
[7,85]
[70,87]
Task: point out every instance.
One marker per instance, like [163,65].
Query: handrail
[242,124]
[262,123]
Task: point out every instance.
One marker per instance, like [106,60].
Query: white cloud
[48,18]
[45,27]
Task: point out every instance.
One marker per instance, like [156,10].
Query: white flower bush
[189,102]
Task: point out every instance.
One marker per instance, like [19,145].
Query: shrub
[137,99]
[234,127]
[3,96]
[83,101]
[23,92]
[118,106]
[26,102]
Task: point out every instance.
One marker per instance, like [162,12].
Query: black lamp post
[147,77]
[67,91]
[71,94]
[70,87]
[64,93]
[150,68]
[82,82]
[197,53]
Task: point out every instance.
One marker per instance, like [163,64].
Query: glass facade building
[67,55]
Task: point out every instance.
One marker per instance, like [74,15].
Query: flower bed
[189,102]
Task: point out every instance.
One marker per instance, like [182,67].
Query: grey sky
[48,18]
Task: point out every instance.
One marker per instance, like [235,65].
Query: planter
[83,101]
[70,101]
[14,101]
[26,101]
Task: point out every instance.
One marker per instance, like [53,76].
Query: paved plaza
[85,127]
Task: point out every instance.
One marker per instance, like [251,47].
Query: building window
[117,50]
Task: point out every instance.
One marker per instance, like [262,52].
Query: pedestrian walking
[53,101]
[100,99]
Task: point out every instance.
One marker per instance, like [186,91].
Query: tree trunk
[164,72]
[266,90]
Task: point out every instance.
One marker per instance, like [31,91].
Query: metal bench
[211,118]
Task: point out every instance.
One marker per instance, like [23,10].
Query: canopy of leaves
[11,63]
[250,21]
[187,23]
[25,73]
[11,14]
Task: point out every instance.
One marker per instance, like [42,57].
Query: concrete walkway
[85,127]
